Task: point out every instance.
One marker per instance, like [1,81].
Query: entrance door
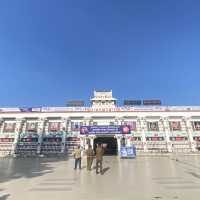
[110,142]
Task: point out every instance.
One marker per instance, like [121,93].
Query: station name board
[91,109]
[93,130]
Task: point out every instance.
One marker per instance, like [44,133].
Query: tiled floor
[141,178]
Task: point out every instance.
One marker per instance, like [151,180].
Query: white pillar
[17,135]
[1,126]
[87,121]
[68,127]
[23,128]
[63,129]
[117,121]
[142,129]
[82,141]
[128,141]
[118,143]
[189,132]
[40,132]
[167,131]
[92,140]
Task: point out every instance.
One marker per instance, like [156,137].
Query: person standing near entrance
[99,159]
[77,157]
[90,156]
[174,153]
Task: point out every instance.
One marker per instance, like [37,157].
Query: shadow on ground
[105,170]
[4,197]
[14,168]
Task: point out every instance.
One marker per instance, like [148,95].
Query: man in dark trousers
[90,157]
[99,159]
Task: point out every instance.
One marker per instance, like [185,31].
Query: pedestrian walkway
[143,178]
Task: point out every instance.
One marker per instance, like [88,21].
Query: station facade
[58,130]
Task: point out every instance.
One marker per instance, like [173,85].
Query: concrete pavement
[141,178]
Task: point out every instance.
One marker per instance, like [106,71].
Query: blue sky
[54,50]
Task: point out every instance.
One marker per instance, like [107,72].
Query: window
[153,126]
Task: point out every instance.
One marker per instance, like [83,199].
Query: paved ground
[143,178]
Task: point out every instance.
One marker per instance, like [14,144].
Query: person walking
[77,157]
[99,159]
[90,156]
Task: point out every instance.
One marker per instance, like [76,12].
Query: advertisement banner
[29,135]
[155,134]
[132,125]
[9,127]
[178,138]
[6,140]
[53,135]
[128,152]
[178,134]
[91,109]
[75,126]
[31,127]
[93,130]
[123,152]
[175,126]
[135,138]
[155,138]
[54,126]
[57,109]
[9,110]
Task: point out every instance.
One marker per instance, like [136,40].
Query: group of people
[91,155]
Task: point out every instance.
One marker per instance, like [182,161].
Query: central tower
[103,98]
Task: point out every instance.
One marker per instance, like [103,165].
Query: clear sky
[54,50]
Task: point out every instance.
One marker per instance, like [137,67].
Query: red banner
[31,126]
[175,126]
[9,127]
[54,126]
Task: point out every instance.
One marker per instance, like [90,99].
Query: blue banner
[128,152]
[93,130]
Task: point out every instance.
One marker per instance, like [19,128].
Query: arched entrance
[109,141]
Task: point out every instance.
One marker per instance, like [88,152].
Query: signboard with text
[93,130]
[128,152]
[131,108]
